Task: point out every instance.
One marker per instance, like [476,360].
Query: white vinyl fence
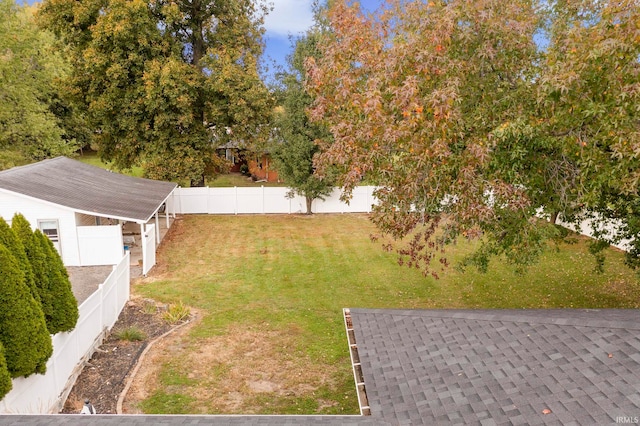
[100,245]
[42,394]
[265,200]
[586,228]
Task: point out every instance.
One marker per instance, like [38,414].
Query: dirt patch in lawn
[244,371]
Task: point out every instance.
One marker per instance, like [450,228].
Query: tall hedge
[64,306]
[9,239]
[23,331]
[5,377]
[38,260]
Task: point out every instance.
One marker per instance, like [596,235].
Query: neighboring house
[234,154]
[83,208]
[260,166]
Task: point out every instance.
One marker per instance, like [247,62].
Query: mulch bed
[105,375]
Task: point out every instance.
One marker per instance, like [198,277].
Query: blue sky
[288,18]
[291,18]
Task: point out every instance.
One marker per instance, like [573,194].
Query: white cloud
[289,17]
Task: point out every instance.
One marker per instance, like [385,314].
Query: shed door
[50,229]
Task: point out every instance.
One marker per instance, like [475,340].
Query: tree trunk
[309,200]
[554,217]
[197,183]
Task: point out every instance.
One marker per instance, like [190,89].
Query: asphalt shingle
[500,366]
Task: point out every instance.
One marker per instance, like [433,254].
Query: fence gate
[149,249]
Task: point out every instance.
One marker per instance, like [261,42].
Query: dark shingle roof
[500,367]
[88,189]
[180,420]
[480,367]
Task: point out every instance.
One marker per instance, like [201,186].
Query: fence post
[177,194]
[209,201]
[235,204]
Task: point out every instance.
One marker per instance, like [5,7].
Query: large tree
[294,146]
[29,70]
[412,97]
[469,126]
[162,80]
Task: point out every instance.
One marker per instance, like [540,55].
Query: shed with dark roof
[62,195]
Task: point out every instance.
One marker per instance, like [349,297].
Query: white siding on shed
[34,210]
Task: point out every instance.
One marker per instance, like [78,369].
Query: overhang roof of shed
[88,189]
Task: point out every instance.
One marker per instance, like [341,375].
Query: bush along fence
[43,394]
[36,301]
[265,200]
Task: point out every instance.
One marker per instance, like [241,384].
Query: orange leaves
[415,112]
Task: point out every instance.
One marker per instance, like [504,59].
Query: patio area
[132,239]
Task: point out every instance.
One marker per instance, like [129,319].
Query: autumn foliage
[474,116]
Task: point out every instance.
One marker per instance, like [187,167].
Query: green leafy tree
[29,68]
[590,88]
[295,146]
[5,377]
[161,81]
[23,331]
[63,304]
[58,302]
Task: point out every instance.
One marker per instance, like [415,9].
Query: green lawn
[270,292]
[91,157]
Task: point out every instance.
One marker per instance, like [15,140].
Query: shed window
[50,229]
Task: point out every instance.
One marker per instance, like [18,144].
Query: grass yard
[91,157]
[270,290]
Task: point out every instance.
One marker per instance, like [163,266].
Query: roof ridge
[578,318]
[25,166]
